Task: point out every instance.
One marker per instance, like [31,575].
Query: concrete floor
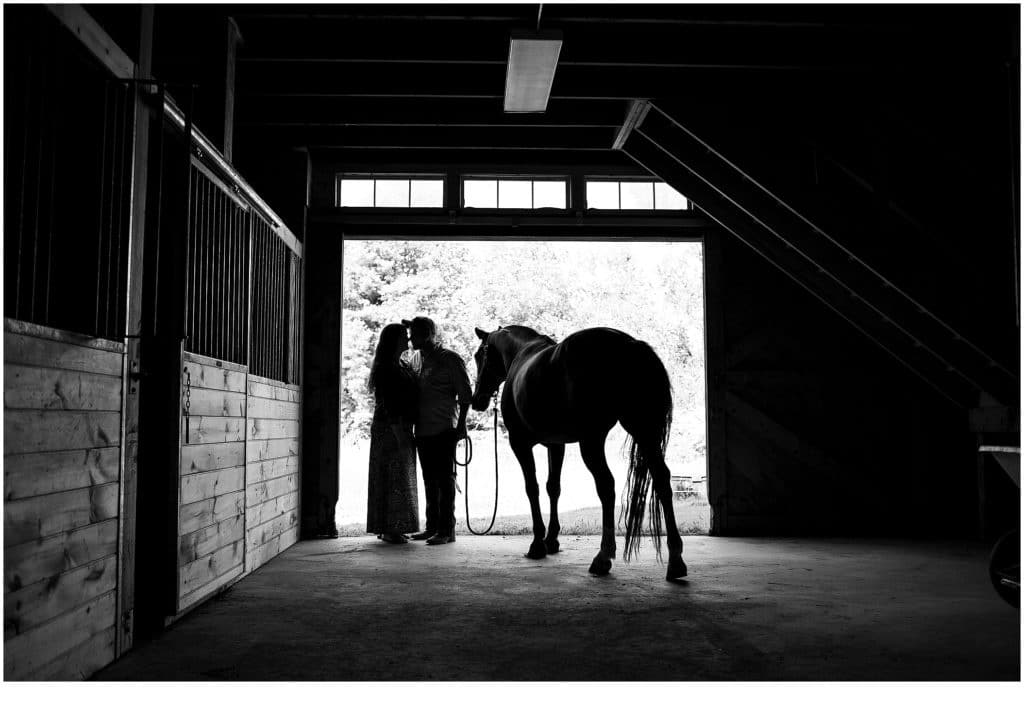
[751,609]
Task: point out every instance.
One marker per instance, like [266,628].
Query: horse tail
[648,420]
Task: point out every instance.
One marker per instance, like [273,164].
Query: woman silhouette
[392,506]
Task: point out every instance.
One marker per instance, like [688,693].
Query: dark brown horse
[575,391]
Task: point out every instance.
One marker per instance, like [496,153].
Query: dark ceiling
[428,80]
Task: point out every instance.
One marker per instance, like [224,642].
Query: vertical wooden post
[715,374]
[233,39]
[132,367]
[321,384]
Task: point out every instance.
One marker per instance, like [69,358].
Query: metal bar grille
[275,331]
[67,189]
[218,259]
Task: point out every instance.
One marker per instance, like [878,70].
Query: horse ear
[481,334]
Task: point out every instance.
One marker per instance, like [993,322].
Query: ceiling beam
[488,81]
[397,111]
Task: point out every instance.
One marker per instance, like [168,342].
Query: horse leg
[592,450]
[556,454]
[662,484]
[524,453]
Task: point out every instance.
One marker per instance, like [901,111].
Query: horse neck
[509,345]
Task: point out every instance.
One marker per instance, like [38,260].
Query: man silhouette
[445,393]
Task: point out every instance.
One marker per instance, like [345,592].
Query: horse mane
[524,334]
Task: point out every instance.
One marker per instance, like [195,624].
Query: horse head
[490,369]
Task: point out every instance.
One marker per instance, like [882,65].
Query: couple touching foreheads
[420,408]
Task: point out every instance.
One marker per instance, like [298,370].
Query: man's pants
[437,461]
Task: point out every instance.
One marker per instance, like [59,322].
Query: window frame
[626,179]
[565,180]
[409,177]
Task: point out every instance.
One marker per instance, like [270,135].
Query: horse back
[564,390]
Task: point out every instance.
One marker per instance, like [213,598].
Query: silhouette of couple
[420,407]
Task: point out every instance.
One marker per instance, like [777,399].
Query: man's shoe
[440,539]
[422,536]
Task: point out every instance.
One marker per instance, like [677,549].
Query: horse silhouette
[575,391]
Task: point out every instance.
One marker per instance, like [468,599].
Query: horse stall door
[62,427]
[272,469]
[211,515]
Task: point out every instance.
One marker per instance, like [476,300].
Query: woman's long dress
[392,503]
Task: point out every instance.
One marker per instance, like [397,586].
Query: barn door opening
[652,290]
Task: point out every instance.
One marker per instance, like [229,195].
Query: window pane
[480,193]
[667,197]
[356,193]
[637,195]
[602,195]
[427,193]
[392,193]
[549,194]
[514,194]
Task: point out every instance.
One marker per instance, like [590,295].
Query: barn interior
[173,260]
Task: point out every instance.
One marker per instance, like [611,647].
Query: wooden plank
[261,513]
[50,514]
[207,377]
[43,431]
[271,489]
[205,485]
[270,382]
[95,39]
[270,469]
[265,532]
[45,643]
[27,387]
[265,553]
[257,451]
[26,328]
[47,353]
[205,541]
[210,588]
[33,474]
[201,514]
[214,429]
[82,661]
[211,567]
[36,560]
[283,393]
[37,603]
[216,402]
[260,408]
[265,429]
[211,456]
[215,363]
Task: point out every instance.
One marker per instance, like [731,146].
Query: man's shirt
[444,385]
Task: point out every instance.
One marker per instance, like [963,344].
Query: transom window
[389,191]
[633,195]
[517,193]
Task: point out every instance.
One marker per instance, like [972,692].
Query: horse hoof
[676,570]
[537,550]
[600,566]
[552,546]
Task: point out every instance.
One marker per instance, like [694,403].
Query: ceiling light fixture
[532,58]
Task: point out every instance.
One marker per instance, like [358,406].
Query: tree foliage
[652,291]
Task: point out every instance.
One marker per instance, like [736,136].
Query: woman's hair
[390,336]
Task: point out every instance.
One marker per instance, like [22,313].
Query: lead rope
[467,457]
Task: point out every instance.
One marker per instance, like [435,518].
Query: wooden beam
[95,39]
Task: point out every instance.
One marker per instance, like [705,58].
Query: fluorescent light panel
[532,58]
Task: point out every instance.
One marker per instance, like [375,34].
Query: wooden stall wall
[62,457]
[211,516]
[271,469]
